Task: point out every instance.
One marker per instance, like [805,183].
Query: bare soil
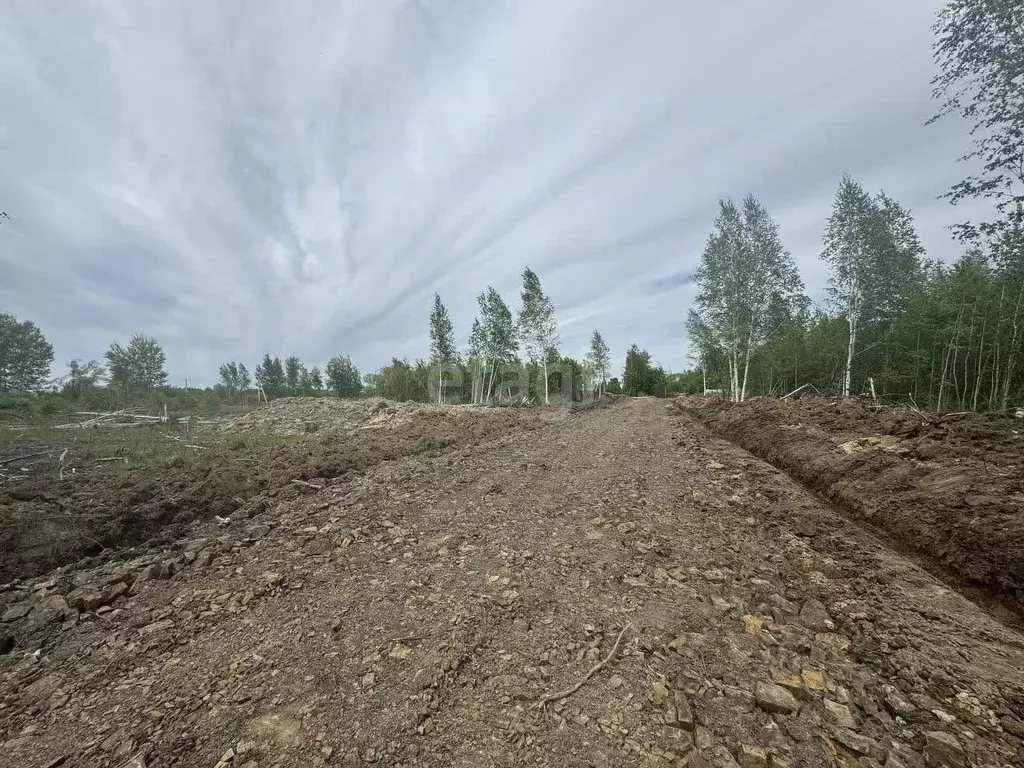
[695,606]
[948,487]
[103,507]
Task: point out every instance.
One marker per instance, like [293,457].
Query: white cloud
[243,177]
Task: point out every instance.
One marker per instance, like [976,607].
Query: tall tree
[138,366]
[270,376]
[873,255]
[979,50]
[244,379]
[25,356]
[230,378]
[599,359]
[316,380]
[496,335]
[443,351]
[343,377]
[293,370]
[746,283]
[82,376]
[641,376]
[538,331]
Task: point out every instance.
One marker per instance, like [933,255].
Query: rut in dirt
[421,613]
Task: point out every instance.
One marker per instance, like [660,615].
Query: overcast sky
[235,177]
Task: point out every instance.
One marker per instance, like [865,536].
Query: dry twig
[25,456]
[304,484]
[593,671]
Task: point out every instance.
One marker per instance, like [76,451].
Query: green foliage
[599,358]
[343,378]
[748,289]
[316,380]
[979,49]
[536,326]
[138,367]
[641,376]
[294,375]
[401,381]
[443,352]
[270,375]
[25,356]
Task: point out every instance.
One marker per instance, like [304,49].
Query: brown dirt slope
[418,614]
[46,522]
[950,488]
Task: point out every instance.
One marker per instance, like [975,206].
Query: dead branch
[25,456]
[113,458]
[593,671]
[304,484]
[798,389]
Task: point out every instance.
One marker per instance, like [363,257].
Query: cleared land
[431,607]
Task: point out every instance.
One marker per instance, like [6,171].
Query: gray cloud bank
[240,177]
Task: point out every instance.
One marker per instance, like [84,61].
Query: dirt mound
[306,415]
[47,521]
[951,488]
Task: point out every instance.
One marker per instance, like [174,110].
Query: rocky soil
[950,488]
[617,587]
[49,519]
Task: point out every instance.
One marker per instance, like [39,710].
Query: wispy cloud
[237,177]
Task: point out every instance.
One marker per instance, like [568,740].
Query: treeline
[507,357]
[896,325]
[272,378]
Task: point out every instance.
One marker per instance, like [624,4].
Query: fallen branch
[798,389]
[25,456]
[304,484]
[593,671]
[113,458]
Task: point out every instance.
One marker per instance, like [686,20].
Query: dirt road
[419,614]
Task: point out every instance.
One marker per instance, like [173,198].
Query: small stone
[116,590]
[243,747]
[684,714]
[853,741]
[86,598]
[813,615]
[714,575]
[17,611]
[49,610]
[703,738]
[1010,725]
[839,714]
[752,624]
[896,704]
[204,558]
[753,757]
[775,698]
[943,749]
[368,681]
[721,757]
[272,578]
[659,693]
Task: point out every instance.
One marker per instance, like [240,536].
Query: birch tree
[744,280]
[442,343]
[599,359]
[874,259]
[979,50]
[538,331]
[495,336]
